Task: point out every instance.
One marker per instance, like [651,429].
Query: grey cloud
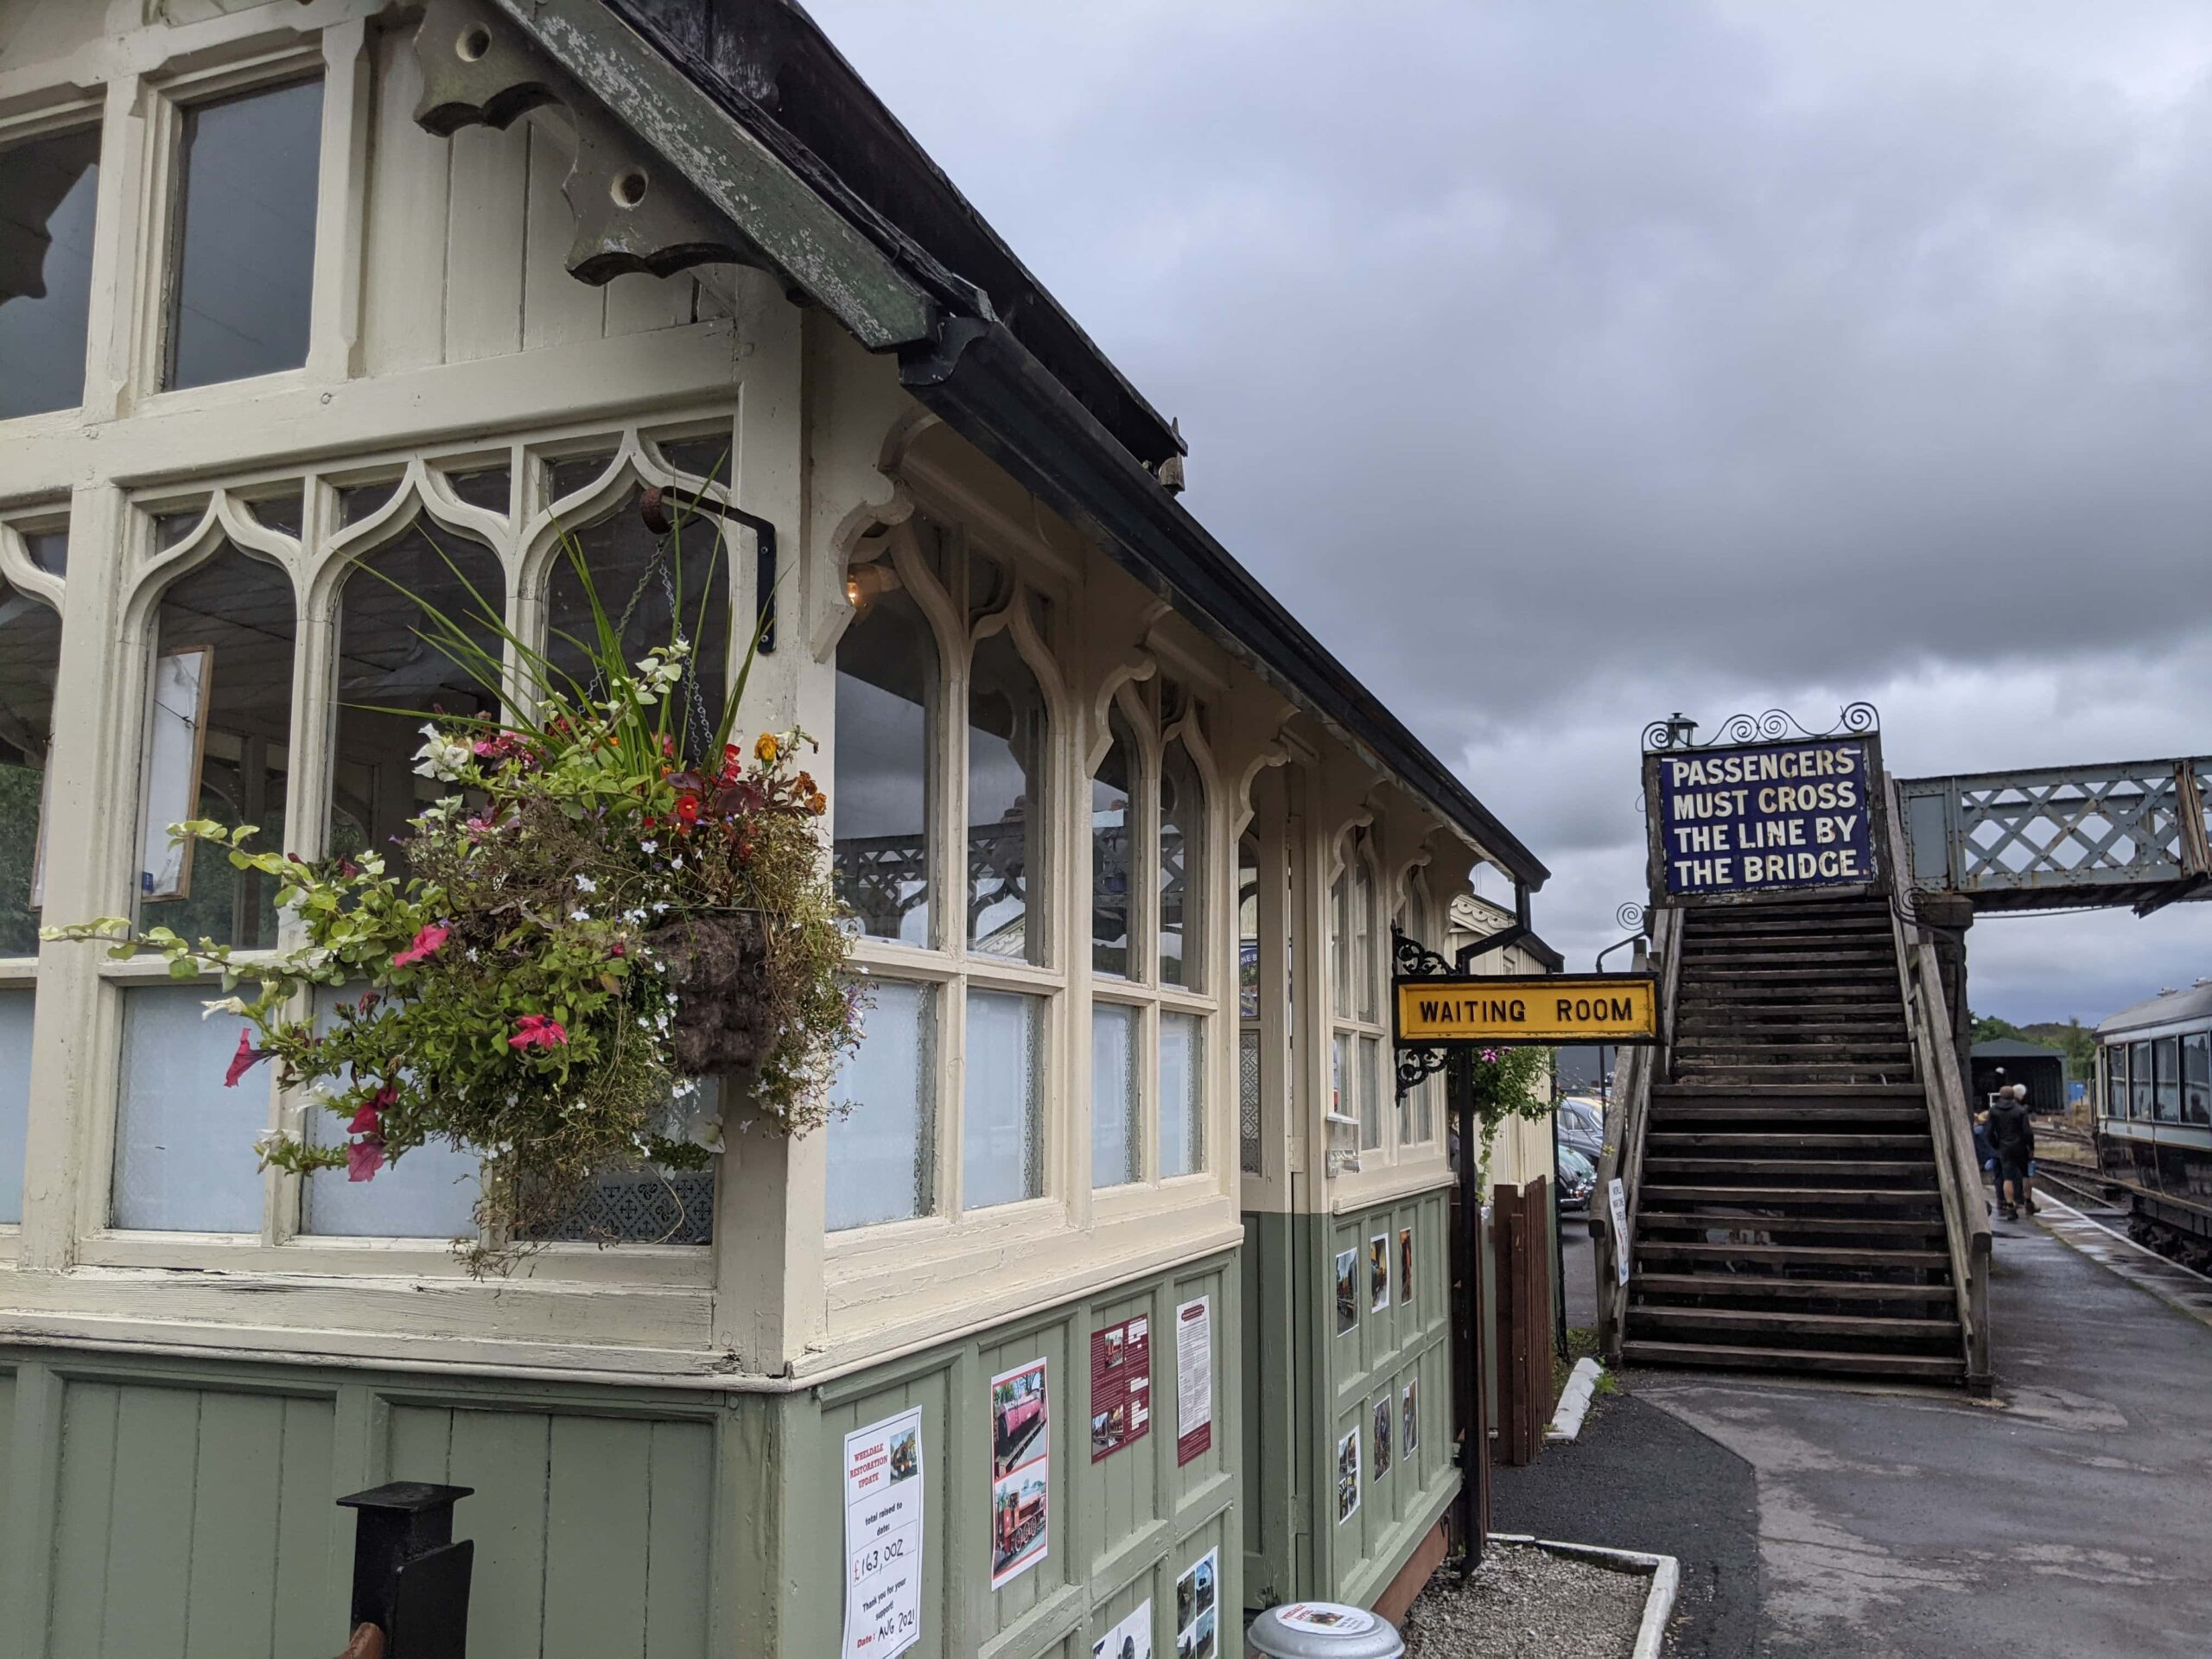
[1563,363]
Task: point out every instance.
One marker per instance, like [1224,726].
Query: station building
[291,293]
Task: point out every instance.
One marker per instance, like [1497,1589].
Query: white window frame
[946,963]
[526,542]
[1364,1036]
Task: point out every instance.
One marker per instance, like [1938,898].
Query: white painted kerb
[1666,1575]
[1574,1401]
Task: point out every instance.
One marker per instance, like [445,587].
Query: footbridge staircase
[1796,1154]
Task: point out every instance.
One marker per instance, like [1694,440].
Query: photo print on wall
[1405,1266]
[1378,1273]
[1020,1471]
[1347,1291]
[1348,1477]
[1383,1413]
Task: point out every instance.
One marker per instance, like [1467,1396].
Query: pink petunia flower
[424,943]
[538,1031]
[244,1060]
[1490,1056]
[370,1118]
[363,1158]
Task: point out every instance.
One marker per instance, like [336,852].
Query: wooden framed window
[34,554]
[1359,963]
[950,733]
[49,184]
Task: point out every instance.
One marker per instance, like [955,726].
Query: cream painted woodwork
[445,335]
[1522,1150]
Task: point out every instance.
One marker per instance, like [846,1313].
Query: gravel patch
[1525,1603]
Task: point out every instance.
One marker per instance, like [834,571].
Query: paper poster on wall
[1198,1614]
[1616,1201]
[884,1521]
[176,742]
[1405,1266]
[1130,1639]
[1385,1410]
[1378,1273]
[1020,1471]
[1348,1477]
[1347,1292]
[1409,1427]
[1194,1379]
[1120,1386]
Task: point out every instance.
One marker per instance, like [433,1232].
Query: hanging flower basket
[615,905]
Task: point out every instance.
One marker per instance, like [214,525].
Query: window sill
[1383,1183]
[894,1290]
[580,1266]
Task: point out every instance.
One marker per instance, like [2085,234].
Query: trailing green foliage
[613,905]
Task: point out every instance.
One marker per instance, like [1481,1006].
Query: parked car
[1578,1177]
[1582,1126]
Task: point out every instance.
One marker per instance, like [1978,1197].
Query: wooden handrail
[1958,1171]
[1625,1140]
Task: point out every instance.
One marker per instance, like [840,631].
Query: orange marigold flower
[764,750]
[817,803]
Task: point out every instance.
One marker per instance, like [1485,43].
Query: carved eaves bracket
[669,182]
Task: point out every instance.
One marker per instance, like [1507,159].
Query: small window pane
[384,662]
[358,501]
[30,654]
[664,585]
[15,1098]
[1009,738]
[1116,1120]
[49,550]
[225,645]
[1182,869]
[488,488]
[1343,1104]
[1364,931]
[2138,1076]
[240,294]
[2115,1081]
[1340,944]
[1248,929]
[1111,850]
[2166,1053]
[1182,1120]
[2196,1076]
[882,1154]
[1002,1158]
[47,191]
[886,698]
[184,1158]
[706,458]
[1370,1094]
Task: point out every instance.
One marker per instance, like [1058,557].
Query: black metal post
[1474,1443]
[410,1579]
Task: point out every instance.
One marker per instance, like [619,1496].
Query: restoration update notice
[1757,820]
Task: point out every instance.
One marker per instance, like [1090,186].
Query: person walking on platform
[2012,1137]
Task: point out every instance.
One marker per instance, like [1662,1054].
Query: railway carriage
[2154,1118]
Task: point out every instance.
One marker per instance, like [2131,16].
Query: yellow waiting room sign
[1535,1008]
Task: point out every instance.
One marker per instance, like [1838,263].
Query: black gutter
[985,385]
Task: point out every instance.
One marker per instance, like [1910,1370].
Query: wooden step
[1841,1226]
[1795,1290]
[1708,1192]
[1757,1018]
[1668,1113]
[1781,1254]
[1669,1143]
[1642,1352]
[1791,935]
[1899,1168]
[1752,1093]
[1805,1073]
[1725,996]
[1872,1329]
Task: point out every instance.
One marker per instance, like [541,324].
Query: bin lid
[1323,1630]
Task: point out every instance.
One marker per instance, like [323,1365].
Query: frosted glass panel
[429,1193]
[1370,1093]
[1115,1124]
[184,1157]
[882,1155]
[1182,1124]
[15,1097]
[1002,1160]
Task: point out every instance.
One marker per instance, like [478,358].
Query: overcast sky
[1562,365]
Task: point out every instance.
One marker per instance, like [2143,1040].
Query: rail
[1625,1138]
[1958,1171]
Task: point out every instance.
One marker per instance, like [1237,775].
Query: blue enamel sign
[1771,818]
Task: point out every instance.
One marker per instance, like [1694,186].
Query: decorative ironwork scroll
[1411,959]
[1774,726]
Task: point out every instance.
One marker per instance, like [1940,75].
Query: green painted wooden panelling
[191,1521]
[7,1432]
[593,1534]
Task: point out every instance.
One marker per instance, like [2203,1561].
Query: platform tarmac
[2070,1515]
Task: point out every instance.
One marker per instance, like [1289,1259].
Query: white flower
[585,884]
[267,1143]
[441,757]
[649,846]
[223,1005]
[578,915]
